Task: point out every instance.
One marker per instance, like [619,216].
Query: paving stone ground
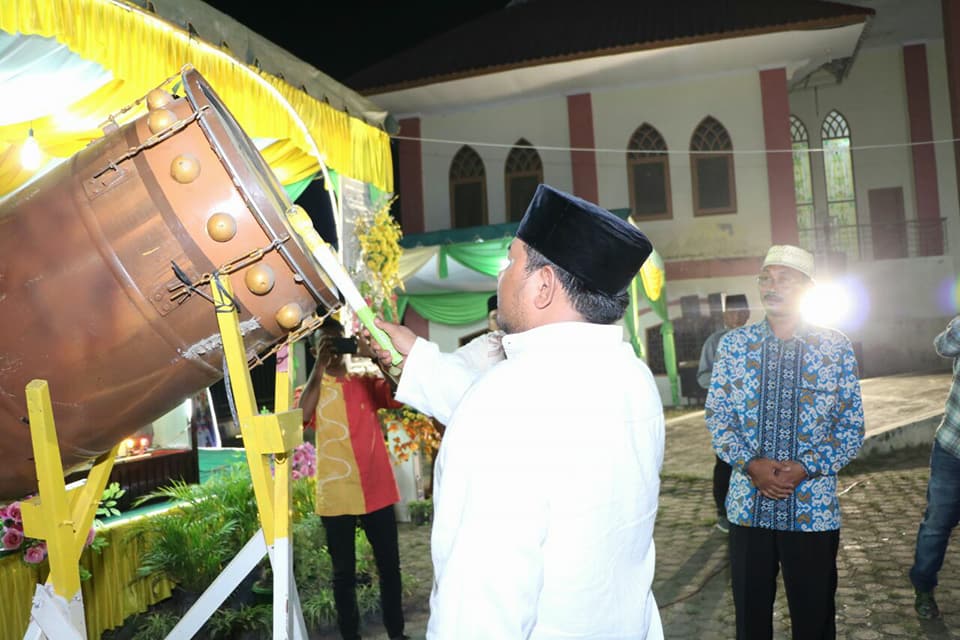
[882,502]
[883,498]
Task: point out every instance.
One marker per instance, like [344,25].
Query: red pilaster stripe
[926,195]
[410,161]
[713,268]
[584,163]
[776,132]
[951,40]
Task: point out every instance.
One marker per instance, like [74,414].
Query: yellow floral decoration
[380,253]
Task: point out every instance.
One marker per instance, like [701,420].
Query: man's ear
[547,285]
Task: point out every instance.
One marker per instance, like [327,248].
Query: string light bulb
[30,155]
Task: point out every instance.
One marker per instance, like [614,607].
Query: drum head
[258,185]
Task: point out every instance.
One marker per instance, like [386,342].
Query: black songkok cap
[594,245]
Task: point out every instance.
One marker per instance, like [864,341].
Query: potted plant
[421,511]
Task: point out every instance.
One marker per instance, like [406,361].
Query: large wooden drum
[90,297]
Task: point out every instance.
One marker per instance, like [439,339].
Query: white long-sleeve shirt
[546,486]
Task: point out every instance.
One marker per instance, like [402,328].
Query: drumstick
[328,262]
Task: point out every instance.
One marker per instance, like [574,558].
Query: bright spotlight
[31,157]
[827,304]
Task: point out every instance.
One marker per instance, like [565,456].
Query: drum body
[90,301]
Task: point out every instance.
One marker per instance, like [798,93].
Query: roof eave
[807,25]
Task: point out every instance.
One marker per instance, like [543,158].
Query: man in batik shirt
[784,410]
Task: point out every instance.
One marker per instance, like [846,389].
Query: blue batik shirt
[796,399]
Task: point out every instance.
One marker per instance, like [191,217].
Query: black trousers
[381,529]
[721,482]
[809,563]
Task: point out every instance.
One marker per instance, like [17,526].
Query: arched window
[468,190]
[648,174]
[524,171]
[711,165]
[802,177]
[841,195]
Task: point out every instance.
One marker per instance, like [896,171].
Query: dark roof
[534,32]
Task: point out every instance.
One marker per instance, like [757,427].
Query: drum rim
[200,94]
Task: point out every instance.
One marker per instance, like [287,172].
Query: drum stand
[266,437]
[64,516]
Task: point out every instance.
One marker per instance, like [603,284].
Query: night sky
[349,35]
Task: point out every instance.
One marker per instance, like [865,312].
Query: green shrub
[313,572]
[190,544]
[155,626]
[421,511]
[229,623]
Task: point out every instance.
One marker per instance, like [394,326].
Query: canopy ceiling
[66,66]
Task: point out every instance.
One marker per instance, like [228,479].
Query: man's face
[781,290]
[492,321]
[734,318]
[512,284]
[326,336]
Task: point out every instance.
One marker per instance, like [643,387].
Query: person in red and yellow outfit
[355,480]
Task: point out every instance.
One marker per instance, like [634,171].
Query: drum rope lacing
[309,324]
[112,118]
[153,140]
[186,287]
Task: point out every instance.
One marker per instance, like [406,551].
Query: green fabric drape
[296,189]
[483,257]
[442,270]
[452,308]
[334,181]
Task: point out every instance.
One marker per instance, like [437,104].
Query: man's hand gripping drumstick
[402,339]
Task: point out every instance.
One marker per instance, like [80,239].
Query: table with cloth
[114,592]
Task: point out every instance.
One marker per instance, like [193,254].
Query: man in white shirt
[547,478]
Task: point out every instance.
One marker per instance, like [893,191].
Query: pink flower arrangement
[35,554]
[304,461]
[12,538]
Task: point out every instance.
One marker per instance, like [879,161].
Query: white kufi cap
[787,255]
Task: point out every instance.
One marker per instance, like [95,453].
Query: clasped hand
[775,479]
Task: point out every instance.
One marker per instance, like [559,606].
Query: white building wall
[542,122]
[675,109]
[873,101]
[908,301]
[905,302]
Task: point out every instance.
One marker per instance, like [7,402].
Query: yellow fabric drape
[113,594]
[142,50]
[412,260]
[62,135]
[290,163]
